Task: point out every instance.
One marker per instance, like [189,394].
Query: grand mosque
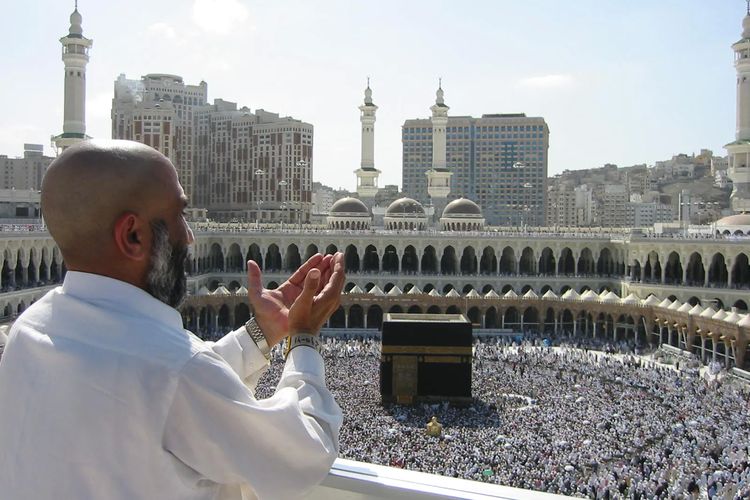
[689,291]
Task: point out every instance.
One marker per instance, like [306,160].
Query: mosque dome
[462,207]
[349,213]
[404,207]
[349,206]
[462,215]
[736,222]
[405,213]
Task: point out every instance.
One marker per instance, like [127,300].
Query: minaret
[438,176]
[739,150]
[75,55]
[367,175]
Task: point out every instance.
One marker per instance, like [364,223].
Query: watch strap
[302,339]
[256,334]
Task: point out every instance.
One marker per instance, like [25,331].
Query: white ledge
[352,480]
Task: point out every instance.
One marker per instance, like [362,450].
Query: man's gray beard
[166,280]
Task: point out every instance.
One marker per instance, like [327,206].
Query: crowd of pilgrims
[565,419]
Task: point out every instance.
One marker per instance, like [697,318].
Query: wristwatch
[299,339]
[255,333]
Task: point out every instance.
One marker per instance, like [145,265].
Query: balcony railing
[349,480]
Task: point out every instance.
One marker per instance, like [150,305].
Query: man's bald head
[93,183]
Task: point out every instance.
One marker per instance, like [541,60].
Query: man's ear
[132,237]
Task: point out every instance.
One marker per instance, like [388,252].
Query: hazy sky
[620,82]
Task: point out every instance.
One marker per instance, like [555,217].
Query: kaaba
[426,358]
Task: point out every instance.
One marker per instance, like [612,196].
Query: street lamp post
[258,173]
[283,185]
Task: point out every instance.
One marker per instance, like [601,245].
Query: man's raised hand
[271,307]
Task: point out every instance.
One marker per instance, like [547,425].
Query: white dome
[510,295]
[550,295]
[473,294]
[395,291]
[492,294]
[571,294]
[590,296]
[696,310]
[530,295]
[708,312]
[651,300]
[452,293]
[631,299]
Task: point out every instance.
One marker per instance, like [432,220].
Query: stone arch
[741,271]
[311,250]
[468,261]
[526,265]
[414,309]
[567,264]
[507,264]
[234,261]
[429,260]
[673,269]
[273,258]
[635,271]
[292,258]
[512,318]
[741,305]
[338,319]
[356,316]
[331,249]
[390,259]
[216,258]
[488,262]
[371,260]
[605,264]
[586,262]
[547,264]
[224,318]
[374,316]
[434,310]
[475,317]
[409,260]
[448,263]
[717,270]
[652,268]
[351,259]
[695,272]
[490,318]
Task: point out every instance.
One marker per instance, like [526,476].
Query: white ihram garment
[103,395]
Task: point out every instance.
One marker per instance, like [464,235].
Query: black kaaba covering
[426,358]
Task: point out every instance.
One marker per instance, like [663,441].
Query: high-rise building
[158,110]
[498,160]
[739,150]
[75,55]
[26,172]
[236,163]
